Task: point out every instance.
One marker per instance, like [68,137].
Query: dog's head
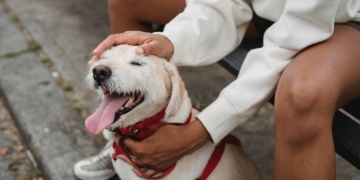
[133,87]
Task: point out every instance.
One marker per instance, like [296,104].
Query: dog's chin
[110,136]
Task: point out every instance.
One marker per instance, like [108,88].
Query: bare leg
[130,15]
[127,15]
[317,82]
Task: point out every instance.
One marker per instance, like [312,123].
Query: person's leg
[320,79]
[138,15]
[127,15]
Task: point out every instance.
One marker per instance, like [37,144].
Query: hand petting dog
[149,44]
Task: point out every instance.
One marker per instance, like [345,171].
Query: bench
[346,131]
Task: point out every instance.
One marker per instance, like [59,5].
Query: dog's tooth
[129,102]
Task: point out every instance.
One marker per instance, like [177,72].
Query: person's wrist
[197,135]
[170,47]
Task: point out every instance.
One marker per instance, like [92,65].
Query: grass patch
[201,101]
[14,54]
[65,85]
[11,54]
[15,18]
[33,45]
[77,104]
[47,62]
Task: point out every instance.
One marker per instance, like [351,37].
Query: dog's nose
[100,73]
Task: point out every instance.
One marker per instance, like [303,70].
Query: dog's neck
[184,111]
[145,128]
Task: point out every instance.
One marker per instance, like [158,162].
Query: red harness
[145,128]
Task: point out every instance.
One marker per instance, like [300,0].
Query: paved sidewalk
[51,127]
[44,48]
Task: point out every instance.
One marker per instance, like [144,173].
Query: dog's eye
[135,63]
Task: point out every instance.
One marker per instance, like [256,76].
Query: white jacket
[208,30]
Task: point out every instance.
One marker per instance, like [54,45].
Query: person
[310,58]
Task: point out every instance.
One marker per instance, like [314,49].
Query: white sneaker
[98,167]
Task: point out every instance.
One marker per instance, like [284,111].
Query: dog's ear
[177,90]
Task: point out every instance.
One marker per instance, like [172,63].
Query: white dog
[138,91]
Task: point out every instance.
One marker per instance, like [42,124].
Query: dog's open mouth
[112,107]
[134,100]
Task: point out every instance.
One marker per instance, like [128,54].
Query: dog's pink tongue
[104,114]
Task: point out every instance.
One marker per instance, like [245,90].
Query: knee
[303,107]
[302,94]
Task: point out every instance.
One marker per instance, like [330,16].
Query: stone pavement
[44,48]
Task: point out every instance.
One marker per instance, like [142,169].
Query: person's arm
[207,31]
[302,24]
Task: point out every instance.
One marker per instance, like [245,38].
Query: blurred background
[44,48]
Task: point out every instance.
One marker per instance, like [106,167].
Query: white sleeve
[207,30]
[302,24]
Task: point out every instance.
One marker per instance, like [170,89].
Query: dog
[138,89]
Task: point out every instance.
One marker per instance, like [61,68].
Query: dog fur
[162,86]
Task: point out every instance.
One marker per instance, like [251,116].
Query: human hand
[166,146]
[149,44]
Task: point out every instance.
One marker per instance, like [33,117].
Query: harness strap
[213,161]
[217,154]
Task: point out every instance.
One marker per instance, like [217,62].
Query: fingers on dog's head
[111,40]
[92,60]
[128,37]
